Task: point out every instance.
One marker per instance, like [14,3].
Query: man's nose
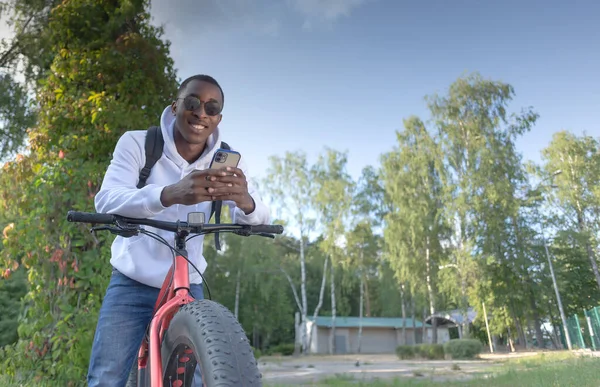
[200,112]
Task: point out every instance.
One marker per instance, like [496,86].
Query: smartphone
[224,158]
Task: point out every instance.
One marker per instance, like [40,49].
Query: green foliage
[90,97]
[12,289]
[459,349]
[420,351]
[430,351]
[257,353]
[405,352]
[285,349]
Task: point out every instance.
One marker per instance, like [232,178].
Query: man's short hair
[204,78]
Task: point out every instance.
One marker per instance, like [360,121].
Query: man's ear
[174,107]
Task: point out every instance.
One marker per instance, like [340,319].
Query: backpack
[154,150]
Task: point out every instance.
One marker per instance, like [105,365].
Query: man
[180,182]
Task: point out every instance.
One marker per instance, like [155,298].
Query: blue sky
[305,74]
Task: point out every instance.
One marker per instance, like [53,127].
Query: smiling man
[180,182]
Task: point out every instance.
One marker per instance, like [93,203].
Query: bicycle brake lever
[116,231]
[266,235]
[247,233]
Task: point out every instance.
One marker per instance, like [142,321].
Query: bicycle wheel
[206,333]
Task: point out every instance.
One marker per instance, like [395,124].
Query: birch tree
[333,198]
[291,186]
[415,229]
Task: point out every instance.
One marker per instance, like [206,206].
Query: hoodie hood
[167,126]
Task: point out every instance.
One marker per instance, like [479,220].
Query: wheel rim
[180,367]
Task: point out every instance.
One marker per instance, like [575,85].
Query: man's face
[198,111]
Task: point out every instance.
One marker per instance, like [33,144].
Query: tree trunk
[430,294]
[414,316]
[588,247]
[424,330]
[403,305]
[302,325]
[529,285]
[539,335]
[554,329]
[511,346]
[520,331]
[333,312]
[303,294]
[236,308]
[320,303]
[360,312]
[367,299]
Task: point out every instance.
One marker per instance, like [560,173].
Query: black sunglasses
[192,103]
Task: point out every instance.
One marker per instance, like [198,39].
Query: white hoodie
[141,257]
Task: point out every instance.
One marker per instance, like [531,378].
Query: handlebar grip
[88,217]
[268,229]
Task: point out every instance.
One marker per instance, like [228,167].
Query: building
[453,320]
[379,334]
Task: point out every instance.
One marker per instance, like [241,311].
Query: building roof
[367,322]
[453,316]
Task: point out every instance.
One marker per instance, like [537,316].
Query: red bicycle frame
[177,294]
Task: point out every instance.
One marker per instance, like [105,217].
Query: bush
[282,349]
[463,348]
[257,353]
[422,351]
[430,351]
[405,352]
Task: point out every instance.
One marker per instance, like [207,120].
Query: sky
[309,74]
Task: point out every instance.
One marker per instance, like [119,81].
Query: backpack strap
[154,150]
[216,207]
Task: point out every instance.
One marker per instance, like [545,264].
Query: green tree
[90,97]
[577,193]
[12,288]
[25,56]
[414,230]
[291,189]
[363,252]
[333,198]
[476,136]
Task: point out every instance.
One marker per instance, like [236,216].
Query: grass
[6,381]
[557,370]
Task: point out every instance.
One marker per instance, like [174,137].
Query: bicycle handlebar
[87,217]
[203,228]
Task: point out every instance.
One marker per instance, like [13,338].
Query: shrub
[257,353]
[430,351]
[286,349]
[422,351]
[405,352]
[463,348]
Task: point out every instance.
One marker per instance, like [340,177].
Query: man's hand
[193,188]
[208,185]
[234,187]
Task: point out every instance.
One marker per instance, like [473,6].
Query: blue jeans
[124,316]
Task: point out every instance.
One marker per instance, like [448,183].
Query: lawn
[556,370]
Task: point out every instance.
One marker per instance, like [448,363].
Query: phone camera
[221,157]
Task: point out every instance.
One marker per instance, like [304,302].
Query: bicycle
[185,332]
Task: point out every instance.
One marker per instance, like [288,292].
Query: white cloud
[201,17]
[324,11]
[255,16]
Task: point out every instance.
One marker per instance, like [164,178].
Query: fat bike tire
[207,334]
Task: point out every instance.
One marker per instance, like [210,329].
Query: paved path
[304,370]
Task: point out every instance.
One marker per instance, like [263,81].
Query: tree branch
[5,58]
[293,288]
